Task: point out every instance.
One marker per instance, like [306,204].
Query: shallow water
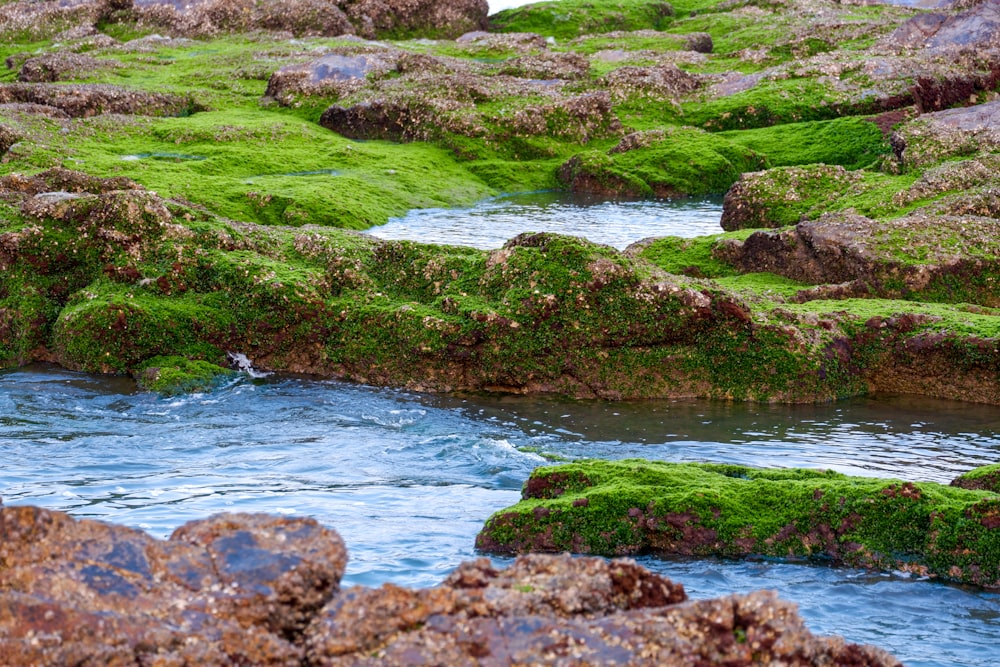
[490,223]
[408,480]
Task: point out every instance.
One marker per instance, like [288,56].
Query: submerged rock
[254,589]
[634,506]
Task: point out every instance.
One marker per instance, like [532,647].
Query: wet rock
[333,75]
[550,610]
[62,66]
[86,100]
[638,506]
[229,589]
[976,28]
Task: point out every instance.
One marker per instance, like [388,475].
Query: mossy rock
[636,506]
[177,375]
[985,478]
[567,19]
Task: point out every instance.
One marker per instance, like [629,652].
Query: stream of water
[490,223]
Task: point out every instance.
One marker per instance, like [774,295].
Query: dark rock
[975,28]
[985,478]
[334,75]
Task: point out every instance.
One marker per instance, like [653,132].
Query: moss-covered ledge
[637,506]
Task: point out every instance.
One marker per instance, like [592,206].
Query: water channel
[409,479]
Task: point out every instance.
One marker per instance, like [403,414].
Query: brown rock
[231,589]
[62,66]
[551,610]
[86,100]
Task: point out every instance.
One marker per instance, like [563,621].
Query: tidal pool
[490,223]
[409,479]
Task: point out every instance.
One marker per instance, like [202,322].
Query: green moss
[851,142]
[178,375]
[691,257]
[631,506]
[571,18]
[684,162]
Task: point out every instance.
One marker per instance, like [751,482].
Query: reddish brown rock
[230,589]
[555,610]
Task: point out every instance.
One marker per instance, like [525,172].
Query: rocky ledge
[260,590]
[636,506]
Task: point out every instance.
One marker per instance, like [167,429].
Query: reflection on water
[489,224]
[408,480]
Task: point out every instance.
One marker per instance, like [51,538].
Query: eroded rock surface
[260,590]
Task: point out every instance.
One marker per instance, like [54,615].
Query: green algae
[635,506]
[177,375]
[571,18]
[852,142]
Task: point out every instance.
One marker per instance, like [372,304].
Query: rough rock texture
[986,478]
[634,506]
[61,66]
[902,258]
[260,590]
[231,589]
[85,100]
[949,133]
[975,28]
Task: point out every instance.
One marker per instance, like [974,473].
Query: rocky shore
[179,182]
[253,589]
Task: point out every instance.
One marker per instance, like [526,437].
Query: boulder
[975,28]
[229,589]
[62,66]
[937,136]
[985,478]
[701,509]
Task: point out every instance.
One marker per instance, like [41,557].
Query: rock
[941,258]
[62,66]
[976,28]
[86,100]
[984,478]
[664,83]
[232,588]
[548,610]
[636,506]
[333,75]
[950,133]
[254,589]
[369,18]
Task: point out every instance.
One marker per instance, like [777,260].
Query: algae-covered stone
[986,478]
[177,375]
[633,506]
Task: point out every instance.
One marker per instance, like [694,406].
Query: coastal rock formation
[254,589]
[633,506]
[86,100]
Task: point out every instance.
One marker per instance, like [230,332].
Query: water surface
[408,479]
[490,223]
